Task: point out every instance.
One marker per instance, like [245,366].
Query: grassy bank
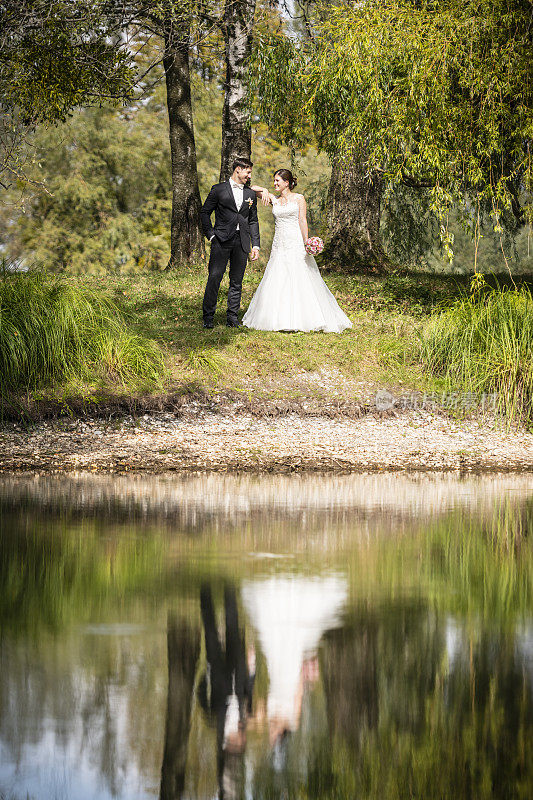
[484,343]
[382,350]
[53,332]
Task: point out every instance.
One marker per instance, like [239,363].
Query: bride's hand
[265,197]
[260,190]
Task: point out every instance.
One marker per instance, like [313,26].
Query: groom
[236,228]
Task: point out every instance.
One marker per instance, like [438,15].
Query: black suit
[228,244]
[228,670]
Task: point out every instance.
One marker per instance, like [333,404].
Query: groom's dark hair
[242,162]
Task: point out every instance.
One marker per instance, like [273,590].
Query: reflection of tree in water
[183,651]
[80,705]
[488,700]
[384,661]
[403,718]
[406,719]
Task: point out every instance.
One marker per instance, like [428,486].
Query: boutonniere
[250,202]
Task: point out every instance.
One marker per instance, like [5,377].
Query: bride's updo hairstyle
[287,175]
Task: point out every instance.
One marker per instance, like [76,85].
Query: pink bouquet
[314,246]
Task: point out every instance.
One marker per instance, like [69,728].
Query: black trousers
[221,253]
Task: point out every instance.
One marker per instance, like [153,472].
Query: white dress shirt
[238,194]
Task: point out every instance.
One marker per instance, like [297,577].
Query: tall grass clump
[484,344]
[51,331]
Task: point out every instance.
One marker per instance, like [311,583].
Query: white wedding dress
[291,613]
[292,295]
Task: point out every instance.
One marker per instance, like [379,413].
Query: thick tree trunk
[183,651]
[353,219]
[186,238]
[236,134]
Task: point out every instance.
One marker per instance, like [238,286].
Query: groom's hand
[255,254]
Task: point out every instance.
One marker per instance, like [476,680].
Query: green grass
[389,314]
[52,331]
[484,344]
[386,312]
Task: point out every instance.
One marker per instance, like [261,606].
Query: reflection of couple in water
[290,615]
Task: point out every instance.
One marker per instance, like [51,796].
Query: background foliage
[433,96]
[105,200]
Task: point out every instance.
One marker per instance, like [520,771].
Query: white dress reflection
[290,614]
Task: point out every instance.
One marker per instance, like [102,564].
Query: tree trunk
[353,219]
[183,651]
[236,134]
[186,238]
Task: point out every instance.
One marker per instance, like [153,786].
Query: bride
[292,295]
[290,614]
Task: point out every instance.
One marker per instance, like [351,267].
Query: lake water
[365,636]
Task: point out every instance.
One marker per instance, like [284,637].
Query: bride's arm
[302,218]
[264,194]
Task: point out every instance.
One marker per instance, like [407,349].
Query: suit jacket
[220,200]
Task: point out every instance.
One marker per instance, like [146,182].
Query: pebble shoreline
[238,441]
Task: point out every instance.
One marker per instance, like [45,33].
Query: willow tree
[353,206]
[435,95]
[354,198]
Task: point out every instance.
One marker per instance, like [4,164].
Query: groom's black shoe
[233,323]
[209,324]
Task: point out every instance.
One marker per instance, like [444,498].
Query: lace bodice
[287,234]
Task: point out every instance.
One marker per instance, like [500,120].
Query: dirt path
[235,438]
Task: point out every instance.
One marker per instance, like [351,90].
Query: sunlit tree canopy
[432,94]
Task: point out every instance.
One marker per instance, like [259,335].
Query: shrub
[51,331]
